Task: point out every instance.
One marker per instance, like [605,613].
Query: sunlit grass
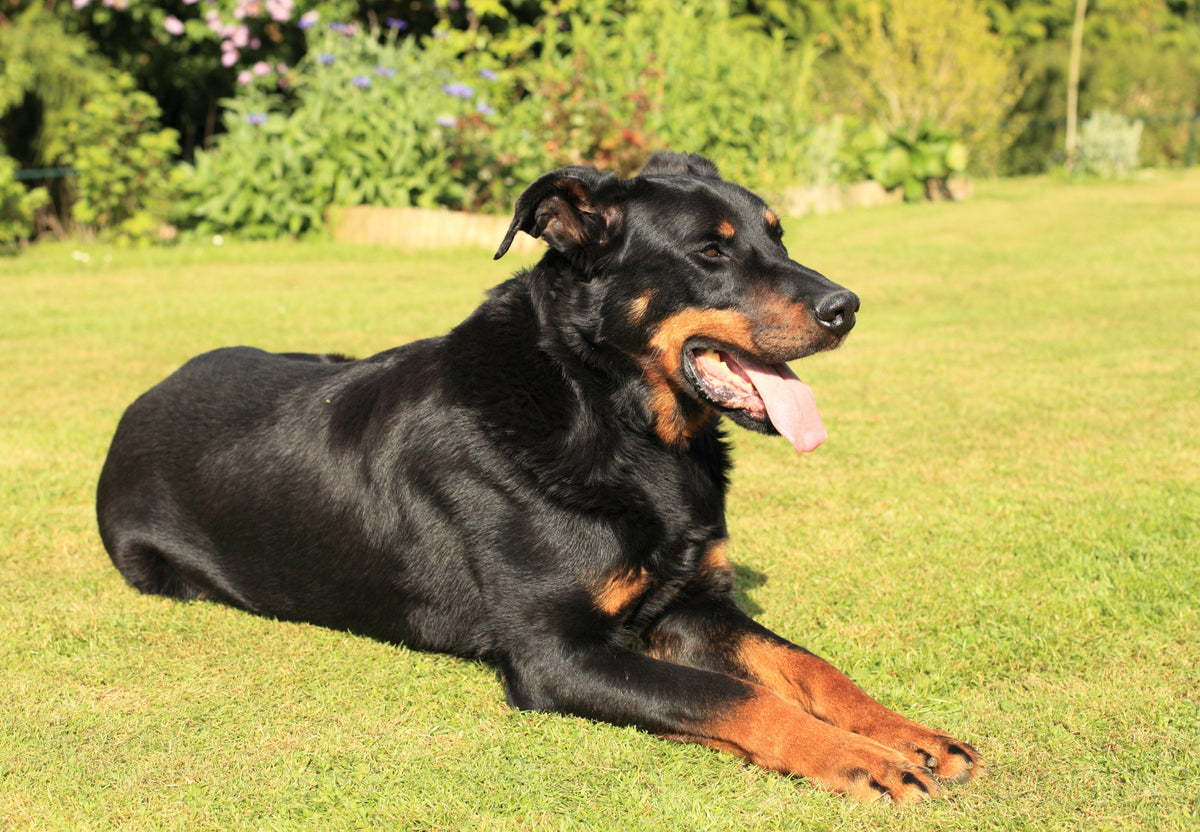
[1001,538]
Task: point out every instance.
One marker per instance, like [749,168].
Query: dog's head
[687,275]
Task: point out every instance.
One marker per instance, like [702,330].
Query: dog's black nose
[836,311]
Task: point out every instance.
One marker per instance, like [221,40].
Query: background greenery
[484,95]
[999,538]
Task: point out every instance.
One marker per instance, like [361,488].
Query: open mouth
[757,394]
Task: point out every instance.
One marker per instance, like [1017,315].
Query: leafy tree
[1141,58]
[913,62]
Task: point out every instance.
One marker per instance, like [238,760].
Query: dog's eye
[712,252]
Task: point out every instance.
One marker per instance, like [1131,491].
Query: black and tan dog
[542,487]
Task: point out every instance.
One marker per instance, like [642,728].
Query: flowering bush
[599,85]
[377,121]
[189,54]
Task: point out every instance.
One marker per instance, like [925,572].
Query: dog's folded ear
[560,208]
[666,163]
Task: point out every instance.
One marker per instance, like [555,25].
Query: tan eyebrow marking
[637,309]
[725,228]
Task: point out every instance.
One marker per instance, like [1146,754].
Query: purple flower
[262,68]
[308,20]
[245,77]
[229,57]
[361,81]
[79,4]
[458,90]
[488,74]
[484,110]
[385,71]
[397,23]
[447,121]
[173,24]
[325,59]
[256,119]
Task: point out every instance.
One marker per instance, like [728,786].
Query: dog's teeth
[715,356]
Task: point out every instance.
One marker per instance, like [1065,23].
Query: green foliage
[1151,80]
[598,82]
[47,75]
[377,121]
[123,163]
[1140,59]
[1108,145]
[915,61]
[68,108]
[917,165]
[17,205]
[188,55]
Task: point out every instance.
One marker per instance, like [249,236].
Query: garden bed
[421,228]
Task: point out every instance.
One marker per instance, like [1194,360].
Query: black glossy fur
[537,489]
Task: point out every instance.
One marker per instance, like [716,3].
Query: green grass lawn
[1001,538]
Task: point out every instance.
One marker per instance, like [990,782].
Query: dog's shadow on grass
[745,581]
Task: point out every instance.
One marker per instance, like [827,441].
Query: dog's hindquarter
[262,481]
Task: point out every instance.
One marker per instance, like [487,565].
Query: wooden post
[1073,80]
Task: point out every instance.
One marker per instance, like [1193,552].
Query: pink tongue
[790,403]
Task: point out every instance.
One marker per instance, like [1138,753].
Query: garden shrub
[919,166]
[190,54]
[1156,82]
[1108,145]
[911,62]
[17,205]
[377,121]
[614,85]
[124,164]
[46,75]
[68,108]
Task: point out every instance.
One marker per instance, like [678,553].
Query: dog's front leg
[712,633]
[696,705]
